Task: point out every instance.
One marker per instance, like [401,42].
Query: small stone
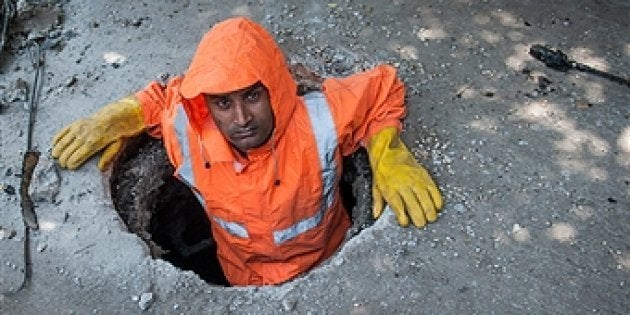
[583,104]
[338,261]
[114,59]
[288,304]
[41,247]
[10,190]
[516,227]
[145,300]
[18,91]
[469,231]
[71,81]
[7,233]
[460,208]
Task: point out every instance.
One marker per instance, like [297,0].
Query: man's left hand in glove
[400,181]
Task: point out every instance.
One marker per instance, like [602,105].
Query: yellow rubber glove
[106,129]
[400,181]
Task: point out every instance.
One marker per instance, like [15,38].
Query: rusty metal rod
[557,60]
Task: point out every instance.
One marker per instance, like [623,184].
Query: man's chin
[247,143]
[243,145]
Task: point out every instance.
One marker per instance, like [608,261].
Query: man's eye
[253,95]
[222,103]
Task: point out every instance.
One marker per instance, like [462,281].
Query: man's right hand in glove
[106,129]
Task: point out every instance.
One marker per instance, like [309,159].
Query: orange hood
[235,54]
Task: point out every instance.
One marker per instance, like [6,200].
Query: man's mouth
[244,133]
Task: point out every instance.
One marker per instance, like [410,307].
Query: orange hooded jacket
[277,213]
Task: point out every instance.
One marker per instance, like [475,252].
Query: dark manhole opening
[166,215]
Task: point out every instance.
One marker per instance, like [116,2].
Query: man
[264,162]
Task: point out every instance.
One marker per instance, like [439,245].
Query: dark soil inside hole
[169,219]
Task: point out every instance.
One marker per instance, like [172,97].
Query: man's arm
[105,129]
[368,109]
[365,103]
[109,127]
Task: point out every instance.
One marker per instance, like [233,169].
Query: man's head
[236,54]
[244,116]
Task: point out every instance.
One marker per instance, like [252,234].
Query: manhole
[165,214]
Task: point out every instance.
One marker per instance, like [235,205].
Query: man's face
[244,117]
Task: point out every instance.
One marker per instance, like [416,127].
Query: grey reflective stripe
[233,228]
[185,171]
[326,138]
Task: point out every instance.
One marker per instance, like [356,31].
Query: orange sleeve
[365,103]
[155,98]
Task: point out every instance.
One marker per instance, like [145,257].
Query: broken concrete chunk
[8,189]
[7,233]
[145,301]
[45,182]
[17,92]
[114,59]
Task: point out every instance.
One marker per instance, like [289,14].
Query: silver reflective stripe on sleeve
[233,228]
[185,172]
[326,138]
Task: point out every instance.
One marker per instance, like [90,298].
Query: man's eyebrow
[254,86]
[217,96]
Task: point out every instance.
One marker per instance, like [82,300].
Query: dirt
[532,162]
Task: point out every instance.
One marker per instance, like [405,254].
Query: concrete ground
[534,163]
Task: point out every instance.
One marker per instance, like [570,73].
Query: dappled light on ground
[486,124]
[432,33]
[243,10]
[434,28]
[500,237]
[593,90]
[584,146]
[515,36]
[491,37]
[47,226]
[562,232]
[507,19]
[623,261]
[519,58]
[623,146]
[577,141]
[520,234]
[583,212]
[408,52]
[587,56]
[383,264]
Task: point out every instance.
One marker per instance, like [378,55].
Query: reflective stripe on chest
[326,139]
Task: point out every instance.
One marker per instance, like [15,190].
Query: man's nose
[242,115]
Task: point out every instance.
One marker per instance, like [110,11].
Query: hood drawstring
[276,175]
[204,156]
